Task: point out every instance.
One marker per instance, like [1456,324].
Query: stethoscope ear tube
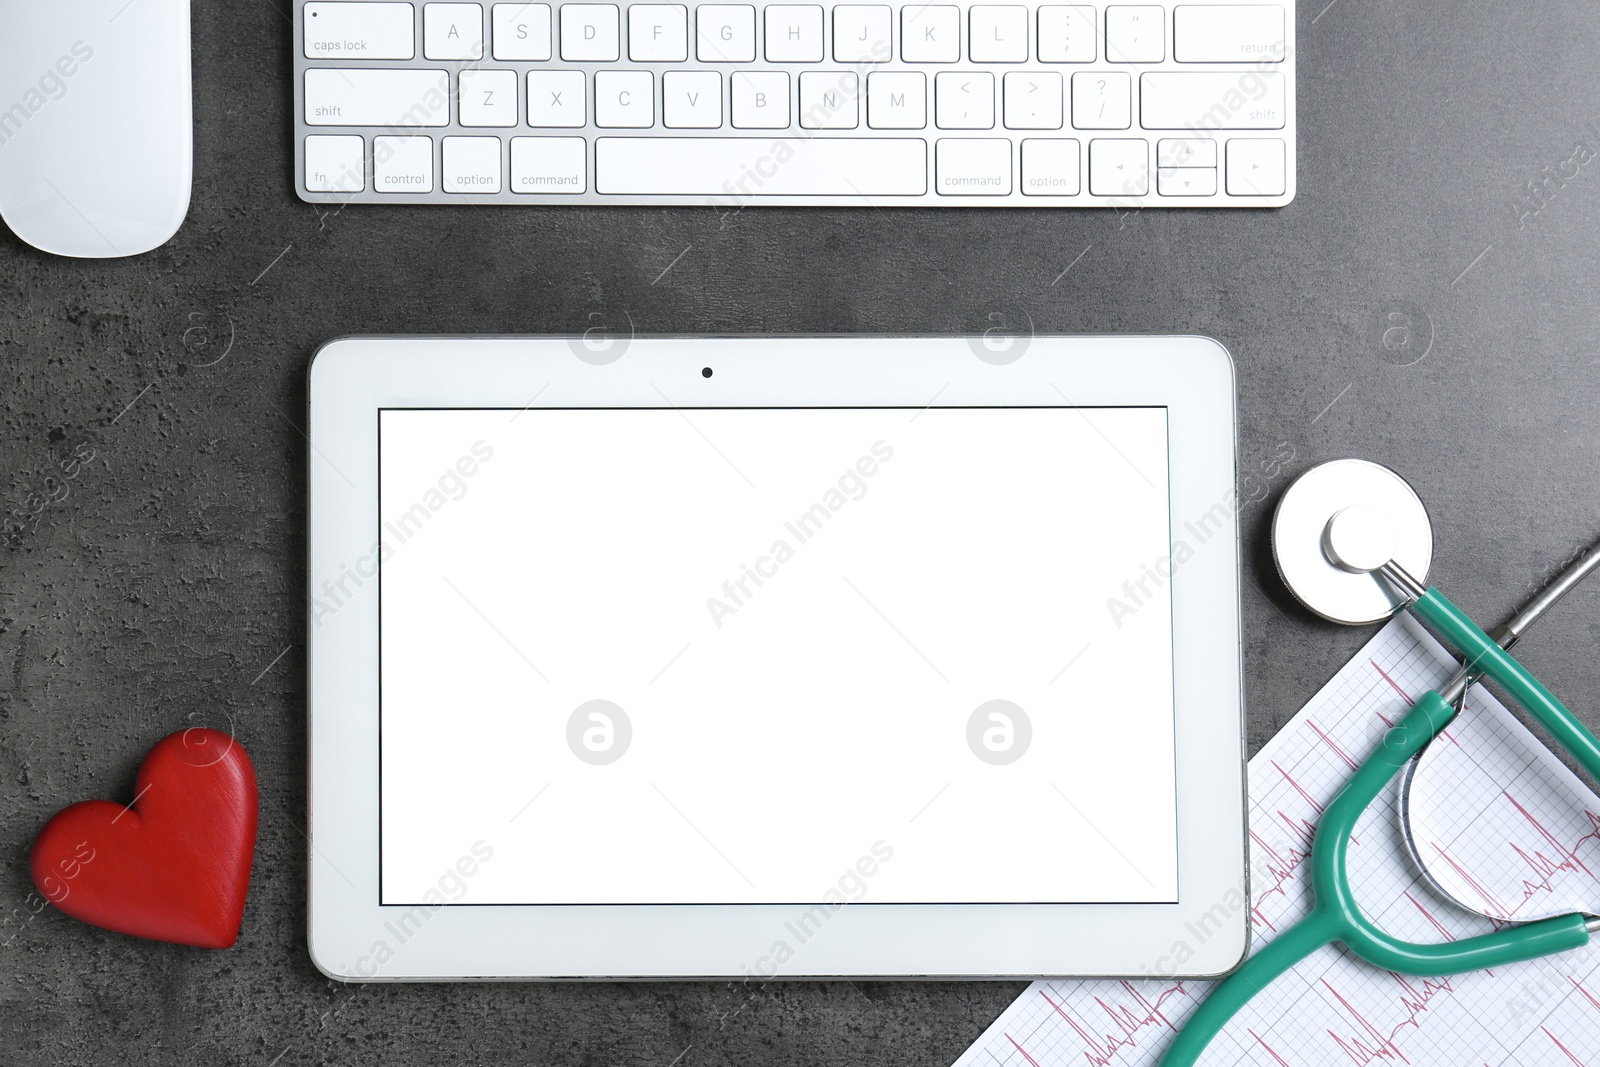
[1483,655]
[1335,915]
[1454,693]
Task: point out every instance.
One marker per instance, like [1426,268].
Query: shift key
[1212,100]
[395,98]
[360,31]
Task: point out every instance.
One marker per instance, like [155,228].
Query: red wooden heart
[172,867]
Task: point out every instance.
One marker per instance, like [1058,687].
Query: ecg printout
[1513,829]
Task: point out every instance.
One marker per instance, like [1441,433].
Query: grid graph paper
[1506,825]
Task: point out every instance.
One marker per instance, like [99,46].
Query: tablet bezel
[353,937]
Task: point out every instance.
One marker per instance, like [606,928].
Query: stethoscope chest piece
[1332,525]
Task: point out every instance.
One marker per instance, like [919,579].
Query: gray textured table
[1417,305]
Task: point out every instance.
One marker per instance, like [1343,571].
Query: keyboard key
[753,167]
[377,97]
[972,166]
[691,99]
[1228,33]
[1212,100]
[1119,167]
[1066,34]
[360,31]
[589,33]
[794,33]
[402,164]
[930,33]
[658,33]
[828,100]
[1186,181]
[522,32]
[336,164]
[555,98]
[998,34]
[488,97]
[760,100]
[471,164]
[624,98]
[1102,100]
[964,100]
[897,100]
[1256,167]
[1033,100]
[862,33]
[549,165]
[726,33]
[1186,152]
[452,31]
[1136,34]
[1050,167]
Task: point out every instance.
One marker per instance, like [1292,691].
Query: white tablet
[804,657]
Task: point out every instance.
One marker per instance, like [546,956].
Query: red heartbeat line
[1432,919]
[1586,994]
[1376,1044]
[1280,868]
[1022,1050]
[1279,1060]
[1493,902]
[1565,1051]
[1543,866]
[1307,797]
[1331,743]
[1129,1021]
[1392,683]
[1570,854]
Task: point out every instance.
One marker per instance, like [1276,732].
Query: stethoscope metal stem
[1402,580]
[1508,633]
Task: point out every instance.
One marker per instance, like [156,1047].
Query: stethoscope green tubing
[1335,915]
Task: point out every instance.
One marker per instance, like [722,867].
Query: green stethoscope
[1338,528]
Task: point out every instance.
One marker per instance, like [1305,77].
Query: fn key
[336,164]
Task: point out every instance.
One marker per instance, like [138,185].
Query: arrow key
[1256,167]
[1119,166]
[1186,181]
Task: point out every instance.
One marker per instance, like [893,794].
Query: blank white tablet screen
[775,656]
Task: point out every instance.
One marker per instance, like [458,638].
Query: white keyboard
[727,104]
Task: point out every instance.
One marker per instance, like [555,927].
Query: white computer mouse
[96,124]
